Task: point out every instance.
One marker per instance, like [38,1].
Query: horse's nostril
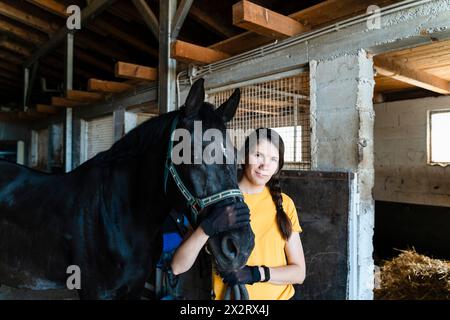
[229,248]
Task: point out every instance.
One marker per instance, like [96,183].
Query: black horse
[105,216]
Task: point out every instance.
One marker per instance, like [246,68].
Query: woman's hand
[246,275]
[226,216]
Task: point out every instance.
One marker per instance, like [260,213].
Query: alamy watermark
[212,146]
[374,20]
[74,280]
[73,21]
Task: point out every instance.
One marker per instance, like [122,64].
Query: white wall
[401,170]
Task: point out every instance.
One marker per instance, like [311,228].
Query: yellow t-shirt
[269,245]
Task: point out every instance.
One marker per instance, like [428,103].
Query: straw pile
[412,276]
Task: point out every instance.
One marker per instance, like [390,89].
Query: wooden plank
[11,67]
[5,55]
[31,115]
[319,15]
[80,54]
[21,33]
[63,102]
[148,16]
[402,72]
[26,18]
[134,71]
[52,6]
[82,40]
[8,82]
[191,53]
[83,96]
[108,86]
[87,14]
[7,75]
[258,19]
[43,108]
[13,46]
[118,33]
[211,22]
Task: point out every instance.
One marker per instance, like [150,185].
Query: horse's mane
[137,141]
[151,133]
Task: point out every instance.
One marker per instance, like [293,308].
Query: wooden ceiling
[117,50]
[426,67]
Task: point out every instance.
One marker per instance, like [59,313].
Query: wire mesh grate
[282,105]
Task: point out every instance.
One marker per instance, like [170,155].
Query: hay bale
[412,276]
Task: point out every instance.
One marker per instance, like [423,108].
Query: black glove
[246,275]
[226,216]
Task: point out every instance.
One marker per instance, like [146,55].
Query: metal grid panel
[100,135]
[42,149]
[282,105]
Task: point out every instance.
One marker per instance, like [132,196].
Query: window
[281,104]
[439,138]
[292,142]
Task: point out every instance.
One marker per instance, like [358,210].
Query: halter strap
[195,204]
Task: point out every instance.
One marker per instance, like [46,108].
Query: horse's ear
[195,98]
[229,107]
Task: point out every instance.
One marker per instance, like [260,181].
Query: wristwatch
[266,274]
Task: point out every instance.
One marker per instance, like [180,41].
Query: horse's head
[205,161]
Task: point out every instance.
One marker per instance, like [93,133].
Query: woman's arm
[295,271]
[187,252]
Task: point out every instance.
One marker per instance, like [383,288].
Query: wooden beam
[31,115]
[8,82]
[21,33]
[26,18]
[7,75]
[13,46]
[87,14]
[63,102]
[108,86]
[43,108]
[149,17]
[134,71]
[315,17]
[100,64]
[118,33]
[191,53]
[83,96]
[211,22]
[82,40]
[402,72]
[6,55]
[11,67]
[250,16]
[51,6]
[180,16]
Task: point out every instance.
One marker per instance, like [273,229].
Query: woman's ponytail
[283,221]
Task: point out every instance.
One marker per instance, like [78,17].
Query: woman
[277,260]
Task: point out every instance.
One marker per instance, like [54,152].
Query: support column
[342,139]
[26,84]
[68,84]
[21,152]
[167,66]
[119,123]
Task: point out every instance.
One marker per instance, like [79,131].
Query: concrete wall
[401,170]
[342,140]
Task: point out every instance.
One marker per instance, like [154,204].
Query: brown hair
[283,221]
